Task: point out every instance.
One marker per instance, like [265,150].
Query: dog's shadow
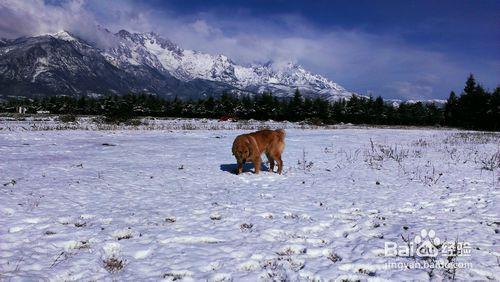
[231,168]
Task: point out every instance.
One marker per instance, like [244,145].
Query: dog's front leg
[256,164]
[239,170]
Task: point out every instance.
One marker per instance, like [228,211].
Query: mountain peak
[154,35]
[63,35]
[123,33]
[293,65]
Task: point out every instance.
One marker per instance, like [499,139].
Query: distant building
[21,110]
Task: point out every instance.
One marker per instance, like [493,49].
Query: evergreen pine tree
[378,111]
[472,105]
[450,110]
[295,107]
[470,85]
[493,112]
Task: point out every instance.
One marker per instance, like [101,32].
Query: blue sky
[396,49]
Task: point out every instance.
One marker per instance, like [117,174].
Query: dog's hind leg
[280,164]
[271,162]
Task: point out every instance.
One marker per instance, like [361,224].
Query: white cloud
[412,90]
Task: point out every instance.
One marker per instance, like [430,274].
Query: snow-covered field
[163,204]
[52,122]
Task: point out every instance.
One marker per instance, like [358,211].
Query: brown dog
[249,147]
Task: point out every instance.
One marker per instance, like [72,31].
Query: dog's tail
[281,134]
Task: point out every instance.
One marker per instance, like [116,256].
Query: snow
[5,50]
[396,102]
[41,67]
[63,35]
[430,101]
[162,204]
[168,59]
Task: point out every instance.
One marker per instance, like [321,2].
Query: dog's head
[242,150]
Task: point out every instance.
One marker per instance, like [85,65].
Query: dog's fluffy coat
[249,147]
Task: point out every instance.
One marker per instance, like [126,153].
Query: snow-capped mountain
[62,63]
[437,102]
[152,50]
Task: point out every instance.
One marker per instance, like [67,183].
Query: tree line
[475,108]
